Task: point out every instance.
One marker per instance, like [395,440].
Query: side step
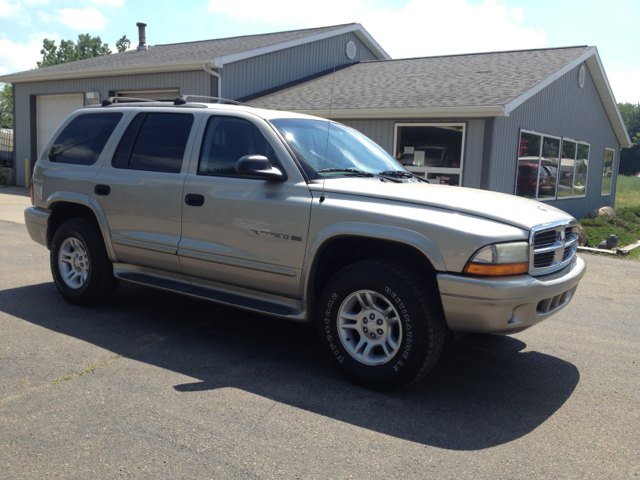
[205,293]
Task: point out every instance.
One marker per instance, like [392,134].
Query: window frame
[145,114]
[200,143]
[573,179]
[562,140]
[424,170]
[613,163]
[543,135]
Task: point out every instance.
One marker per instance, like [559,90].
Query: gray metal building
[537,123]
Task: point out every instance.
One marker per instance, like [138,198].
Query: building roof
[474,85]
[190,55]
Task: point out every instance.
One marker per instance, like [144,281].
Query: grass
[86,370]
[626,226]
[627,192]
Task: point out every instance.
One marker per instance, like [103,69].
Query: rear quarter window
[82,140]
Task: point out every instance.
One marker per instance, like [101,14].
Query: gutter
[215,74]
[105,72]
[395,113]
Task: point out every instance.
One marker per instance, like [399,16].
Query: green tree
[630,157]
[69,51]
[631,116]
[123,44]
[6,106]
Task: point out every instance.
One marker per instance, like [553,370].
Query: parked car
[528,180]
[275,212]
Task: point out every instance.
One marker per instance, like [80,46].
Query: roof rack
[112,100]
[182,99]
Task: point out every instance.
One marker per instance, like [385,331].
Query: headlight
[500,259]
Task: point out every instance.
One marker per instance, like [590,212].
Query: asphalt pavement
[157,385]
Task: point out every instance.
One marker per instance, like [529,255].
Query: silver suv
[297,217]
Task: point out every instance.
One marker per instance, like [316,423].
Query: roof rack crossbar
[182,99]
[112,100]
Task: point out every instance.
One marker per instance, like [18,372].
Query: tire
[80,265]
[409,326]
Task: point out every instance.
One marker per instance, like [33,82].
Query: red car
[528,176]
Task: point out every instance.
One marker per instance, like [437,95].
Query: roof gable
[182,56]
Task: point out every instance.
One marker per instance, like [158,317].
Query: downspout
[215,74]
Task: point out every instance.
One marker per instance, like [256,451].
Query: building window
[537,166]
[551,167]
[607,171]
[432,150]
[573,169]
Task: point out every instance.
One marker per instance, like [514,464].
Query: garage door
[51,111]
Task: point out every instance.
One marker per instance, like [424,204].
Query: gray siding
[257,74]
[382,132]
[195,82]
[564,110]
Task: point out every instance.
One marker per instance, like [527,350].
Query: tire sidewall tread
[421,316]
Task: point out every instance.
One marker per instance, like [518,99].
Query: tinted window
[82,141]
[228,139]
[155,142]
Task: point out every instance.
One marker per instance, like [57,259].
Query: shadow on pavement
[484,392]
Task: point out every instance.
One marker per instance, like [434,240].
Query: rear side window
[154,142]
[81,142]
[226,140]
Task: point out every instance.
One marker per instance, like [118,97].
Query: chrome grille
[552,247]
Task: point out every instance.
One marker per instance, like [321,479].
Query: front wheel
[382,325]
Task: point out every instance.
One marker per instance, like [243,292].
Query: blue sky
[403,28]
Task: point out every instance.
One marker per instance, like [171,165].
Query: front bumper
[506,304]
[37,222]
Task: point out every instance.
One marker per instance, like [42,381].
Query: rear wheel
[80,265]
[382,325]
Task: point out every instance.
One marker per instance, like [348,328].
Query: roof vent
[142,37]
[351,50]
[581,77]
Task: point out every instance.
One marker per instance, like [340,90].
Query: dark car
[528,178]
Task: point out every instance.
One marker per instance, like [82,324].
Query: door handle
[102,190]
[194,200]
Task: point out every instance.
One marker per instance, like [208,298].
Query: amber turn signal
[496,269]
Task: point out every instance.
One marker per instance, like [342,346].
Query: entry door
[141,191]
[51,111]
[246,232]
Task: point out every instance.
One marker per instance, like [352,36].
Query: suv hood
[517,211]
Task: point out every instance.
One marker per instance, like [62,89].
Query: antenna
[326,150]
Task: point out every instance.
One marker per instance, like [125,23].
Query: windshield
[345,149]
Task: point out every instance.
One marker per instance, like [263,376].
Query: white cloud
[86,19]
[298,12]
[419,28]
[113,3]
[625,85]
[9,9]
[433,27]
[16,57]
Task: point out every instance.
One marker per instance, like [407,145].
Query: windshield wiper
[346,170]
[402,174]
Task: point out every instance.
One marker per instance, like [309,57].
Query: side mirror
[257,166]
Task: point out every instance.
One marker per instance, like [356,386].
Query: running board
[227,298]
